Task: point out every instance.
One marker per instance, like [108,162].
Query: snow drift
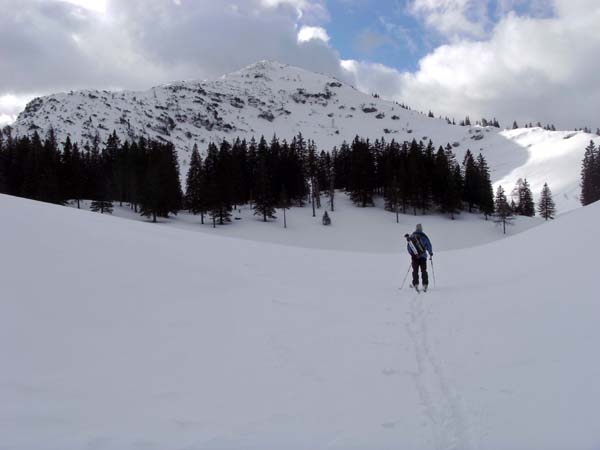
[119,334]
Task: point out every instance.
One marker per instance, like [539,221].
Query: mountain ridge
[268,98]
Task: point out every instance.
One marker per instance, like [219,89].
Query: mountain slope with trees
[268,98]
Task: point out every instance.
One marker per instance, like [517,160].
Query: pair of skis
[416,288]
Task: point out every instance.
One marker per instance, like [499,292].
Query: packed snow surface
[269,98]
[119,334]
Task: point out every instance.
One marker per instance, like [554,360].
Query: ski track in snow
[441,404]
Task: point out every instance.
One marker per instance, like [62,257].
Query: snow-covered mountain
[118,334]
[270,98]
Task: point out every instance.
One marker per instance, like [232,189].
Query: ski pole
[405,277]
[432,270]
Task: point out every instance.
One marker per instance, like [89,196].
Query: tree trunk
[284,219]
[312,196]
[154,217]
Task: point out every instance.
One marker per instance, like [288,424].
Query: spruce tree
[284,204]
[238,164]
[452,195]
[66,172]
[414,175]
[4,165]
[526,203]
[311,170]
[440,177]
[590,184]
[472,190]
[225,187]
[486,191]
[100,184]
[161,189]
[394,199]
[504,213]
[264,203]
[362,173]
[332,180]
[195,199]
[48,183]
[546,207]
[211,185]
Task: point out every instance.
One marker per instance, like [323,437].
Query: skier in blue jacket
[418,246]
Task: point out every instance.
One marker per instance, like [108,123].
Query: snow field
[122,334]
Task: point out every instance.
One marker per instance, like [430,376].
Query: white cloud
[529,69]
[10,107]
[307,33]
[542,66]
[145,42]
[452,18]
[307,10]
[94,5]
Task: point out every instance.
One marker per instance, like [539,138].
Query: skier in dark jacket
[418,246]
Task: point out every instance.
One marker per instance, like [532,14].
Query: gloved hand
[431,256]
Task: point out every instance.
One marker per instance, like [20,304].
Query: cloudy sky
[528,60]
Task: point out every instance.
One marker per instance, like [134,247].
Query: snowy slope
[270,98]
[120,334]
[356,230]
[554,157]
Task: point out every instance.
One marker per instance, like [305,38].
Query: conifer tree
[311,169]
[66,170]
[264,204]
[394,198]
[195,186]
[486,191]
[590,175]
[100,183]
[48,184]
[440,177]
[414,175]
[250,171]
[504,213]
[332,180]
[284,204]
[238,165]
[4,165]
[211,185]
[224,183]
[161,189]
[546,207]
[526,204]
[77,175]
[472,190]
[362,173]
[452,195]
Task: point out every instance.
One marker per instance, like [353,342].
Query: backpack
[415,246]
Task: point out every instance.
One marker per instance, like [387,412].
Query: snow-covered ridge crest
[270,98]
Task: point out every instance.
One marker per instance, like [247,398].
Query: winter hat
[419,228]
